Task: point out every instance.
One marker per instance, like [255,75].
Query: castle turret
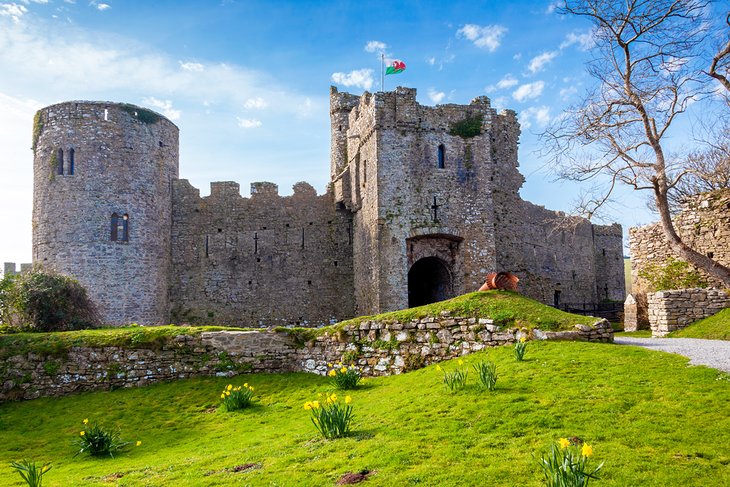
[103,175]
[341,104]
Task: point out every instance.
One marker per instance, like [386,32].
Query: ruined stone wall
[380,348]
[263,260]
[674,310]
[703,224]
[124,161]
[10,269]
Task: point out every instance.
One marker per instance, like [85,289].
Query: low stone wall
[386,348]
[674,310]
[379,348]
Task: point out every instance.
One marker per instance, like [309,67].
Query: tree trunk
[682,250]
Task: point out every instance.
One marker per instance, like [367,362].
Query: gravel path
[712,353]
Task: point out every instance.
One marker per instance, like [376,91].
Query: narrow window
[71,160]
[556,298]
[442,156]
[120,228]
[125,228]
[59,156]
[206,246]
[115,222]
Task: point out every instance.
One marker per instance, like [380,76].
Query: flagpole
[382,71]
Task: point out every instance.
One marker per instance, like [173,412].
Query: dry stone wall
[380,348]
[673,310]
[703,224]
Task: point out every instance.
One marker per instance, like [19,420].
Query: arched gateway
[429,281]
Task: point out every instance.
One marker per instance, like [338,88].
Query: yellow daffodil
[587,450]
[329,364]
[228,393]
[343,370]
[230,386]
[223,395]
[245,384]
[438,367]
[564,443]
[82,433]
[348,399]
[332,373]
[86,421]
[315,404]
[333,397]
[461,362]
[250,388]
[307,405]
[523,339]
[139,443]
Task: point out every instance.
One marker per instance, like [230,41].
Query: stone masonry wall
[266,260]
[674,310]
[124,161]
[703,224]
[379,348]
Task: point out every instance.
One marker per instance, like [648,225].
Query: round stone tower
[102,204]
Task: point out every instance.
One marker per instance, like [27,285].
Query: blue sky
[248,82]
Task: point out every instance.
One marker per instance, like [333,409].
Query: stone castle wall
[703,224]
[263,260]
[379,348]
[10,268]
[124,161]
[673,310]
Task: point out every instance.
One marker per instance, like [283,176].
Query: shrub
[7,284]
[487,374]
[30,472]
[331,418]
[455,380]
[672,274]
[343,377]
[236,398]
[566,464]
[520,349]
[98,441]
[48,302]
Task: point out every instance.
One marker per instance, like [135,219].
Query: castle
[423,202]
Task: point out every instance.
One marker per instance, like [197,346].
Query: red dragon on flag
[396,66]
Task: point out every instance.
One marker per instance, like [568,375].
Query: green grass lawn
[715,327]
[653,420]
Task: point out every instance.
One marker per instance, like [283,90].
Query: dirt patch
[350,478]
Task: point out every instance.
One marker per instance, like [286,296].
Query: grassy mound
[628,403]
[506,308]
[57,344]
[715,327]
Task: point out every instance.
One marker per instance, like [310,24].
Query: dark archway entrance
[429,281]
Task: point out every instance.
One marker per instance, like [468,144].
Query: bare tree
[721,62]
[647,60]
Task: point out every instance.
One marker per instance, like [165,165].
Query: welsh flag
[396,66]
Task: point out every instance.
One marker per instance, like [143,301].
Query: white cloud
[42,2]
[538,63]
[195,67]
[164,106]
[255,103]
[507,82]
[500,103]
[362,78]
[585,40]
[567,93]
[539,115]
[248,123]
[12,10]
[436,96]
[551,7]
[487,37]
[103,6]
[431,61]
[375,46]
[528,90]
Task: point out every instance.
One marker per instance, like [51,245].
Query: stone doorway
[429,281]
